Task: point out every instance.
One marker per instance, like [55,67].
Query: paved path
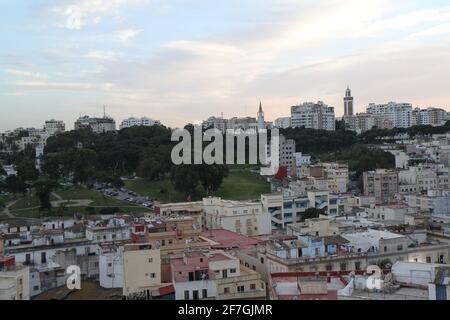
[57,196]
[6,210]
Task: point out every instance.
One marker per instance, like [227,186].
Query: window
[152,275]
[399,248]
[36,288]
[252,286]
[226,290]
[357,265]
[240,288]
[428,259]
[43,257]
[262,260]
[204,293]
[254,268]
[232,270]
[343,266]
[186,295]
[385,249]
[150,260]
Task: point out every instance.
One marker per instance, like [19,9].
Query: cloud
[126,34]
[91,12]
[99,55]
[26,74]
[62,86]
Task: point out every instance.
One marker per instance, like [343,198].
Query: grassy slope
[239,185]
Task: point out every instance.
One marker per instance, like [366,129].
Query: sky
[181,61]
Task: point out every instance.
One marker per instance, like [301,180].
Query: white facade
[400,115]
[313,116]
[97,125]
[14,283]
[282,123]
[53,126]
[301,159]
[111,268]
[133,122]
[218,123]
[247,218]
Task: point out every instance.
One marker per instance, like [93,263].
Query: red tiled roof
[229,239]
[166,290]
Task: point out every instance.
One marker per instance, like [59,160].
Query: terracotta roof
[228,239]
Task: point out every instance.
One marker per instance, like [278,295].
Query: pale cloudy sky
[181,61]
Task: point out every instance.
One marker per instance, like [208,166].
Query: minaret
[348,102]
[261,122]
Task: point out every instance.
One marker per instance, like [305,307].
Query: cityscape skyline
[130,56]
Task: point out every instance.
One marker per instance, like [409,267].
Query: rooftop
[229,240]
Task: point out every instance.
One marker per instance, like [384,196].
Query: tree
[185,178]
[15,185]
[27,171]
[51,166]
[83,165]
[211,177]
[44,186]
[90,210]
[150,169]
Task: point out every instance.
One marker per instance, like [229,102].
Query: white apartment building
[377,241]
[310,115]
[393,212]
[282,123]
[14,282]
[97,125]
[247,124]
[436,202]
[286,153]
[423,178]
[115,230]
[362,122]
[382,184]
[136,122]
[399,115]
[53,126]
[214,275]
[244,217]
[215,123]
[301,159]
[430,116]
[111,267]
[141,269]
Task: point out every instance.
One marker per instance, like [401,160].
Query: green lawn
[98,199]
[239,185]
[28,201]
[7,198]
[28,206]
[158,190]
[243,185]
